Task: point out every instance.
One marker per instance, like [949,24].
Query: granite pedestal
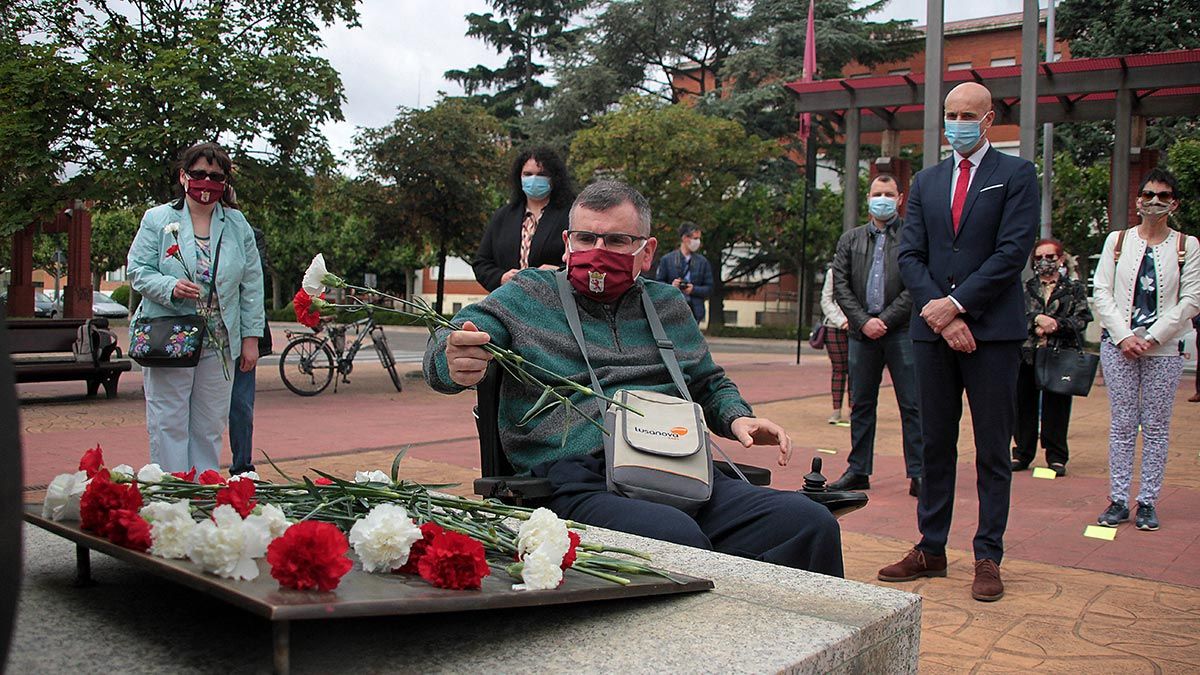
[760,618]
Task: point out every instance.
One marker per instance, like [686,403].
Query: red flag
[810,68]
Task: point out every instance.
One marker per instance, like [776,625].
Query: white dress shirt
[975,158]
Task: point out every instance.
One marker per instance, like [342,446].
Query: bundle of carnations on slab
[301,527]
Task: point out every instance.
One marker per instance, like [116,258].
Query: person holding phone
[689,271]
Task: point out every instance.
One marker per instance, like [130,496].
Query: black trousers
[785,528]
[989,376]
[1055,417]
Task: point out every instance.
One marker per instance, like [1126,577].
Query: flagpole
[810,176]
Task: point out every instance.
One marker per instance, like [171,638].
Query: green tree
[1080,208]
[690,167]
[439,169]
[43,123]
[112,235]
[1183,160]
[163,74]
[528,31]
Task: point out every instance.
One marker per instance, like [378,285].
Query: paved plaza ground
[1073,604]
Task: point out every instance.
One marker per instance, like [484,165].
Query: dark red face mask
[205,191]
[600,274]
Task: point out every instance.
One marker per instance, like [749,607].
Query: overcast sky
[398,54]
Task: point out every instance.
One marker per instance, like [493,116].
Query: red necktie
[960,192]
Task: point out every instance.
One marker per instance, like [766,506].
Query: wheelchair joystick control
[815,481]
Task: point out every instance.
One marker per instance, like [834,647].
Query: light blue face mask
[535,187]
[882,208]
[962,134]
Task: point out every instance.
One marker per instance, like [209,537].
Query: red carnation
[92,461]
[428,532]
[322,480]
[240,495]
[189,476]
[454,561]
[173,250]
[310,554]
[304,311]
[129,529]
[569,556]
[211,477]
[101,498]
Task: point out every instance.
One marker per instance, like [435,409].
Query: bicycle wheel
[306,366]
[386,358]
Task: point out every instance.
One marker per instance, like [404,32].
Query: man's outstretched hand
[466,356]
[761,431]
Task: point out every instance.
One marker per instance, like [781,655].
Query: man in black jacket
[868,288]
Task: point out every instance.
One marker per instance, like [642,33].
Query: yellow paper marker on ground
[1043,472]
[842,423]
[827,451]
[1100,532]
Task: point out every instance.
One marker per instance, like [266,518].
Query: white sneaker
[835,417]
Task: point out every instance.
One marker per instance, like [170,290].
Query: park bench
[59,350]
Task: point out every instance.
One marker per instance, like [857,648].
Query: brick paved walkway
[1073,604]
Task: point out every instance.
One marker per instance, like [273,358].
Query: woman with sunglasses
[1057,309]
[197,256]
[1147,290]
[527,232]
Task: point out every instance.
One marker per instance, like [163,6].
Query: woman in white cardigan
[1147,290]
[837,345]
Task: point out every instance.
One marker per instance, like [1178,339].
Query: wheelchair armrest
[756,474]
[518,489]
[839,502]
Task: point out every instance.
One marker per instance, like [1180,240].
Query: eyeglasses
[1051,257]
[1165,195]
[621,243]
[197,174]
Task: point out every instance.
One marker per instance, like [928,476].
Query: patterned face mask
[1045,267]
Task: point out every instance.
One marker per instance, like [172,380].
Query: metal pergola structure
[1118,88]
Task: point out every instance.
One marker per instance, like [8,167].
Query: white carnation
[375,476]
[543,530]
[248,475]
[314,275]
[151,473]
[541,571]
[384,538]
[226,546]
[170,525]
[171,228]
[63,494]
[270,519]
[121,473]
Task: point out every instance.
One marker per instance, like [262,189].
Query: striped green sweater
[526,316]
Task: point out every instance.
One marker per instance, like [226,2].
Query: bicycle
[308,362]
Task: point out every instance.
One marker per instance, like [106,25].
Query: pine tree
[528,31]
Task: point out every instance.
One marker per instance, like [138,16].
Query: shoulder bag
[172,341]
[662,453]
[816,339]
[1065,370]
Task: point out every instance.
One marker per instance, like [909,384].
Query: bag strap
[571,310]
[666,349]
[1120,243]
[1182,244]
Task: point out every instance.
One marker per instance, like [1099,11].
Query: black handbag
[817,338]
[1065,370]
[172,341]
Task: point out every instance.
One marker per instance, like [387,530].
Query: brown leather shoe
[916,564]
[987,586]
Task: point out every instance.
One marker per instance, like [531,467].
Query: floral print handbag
[167,341]
[171,341]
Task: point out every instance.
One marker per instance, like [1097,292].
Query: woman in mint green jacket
[171,263]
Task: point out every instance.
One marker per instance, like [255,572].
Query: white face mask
[693,245]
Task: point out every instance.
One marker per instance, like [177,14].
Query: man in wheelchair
[608,247]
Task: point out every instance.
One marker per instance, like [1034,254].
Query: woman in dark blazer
[527,232]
